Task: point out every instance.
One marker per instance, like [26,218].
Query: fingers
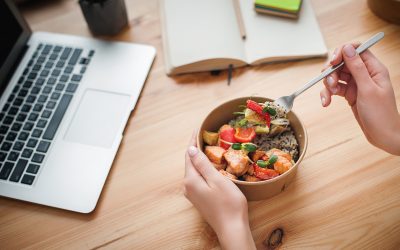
[190,170]
[326,93]
[202,164]
[357,69]
[337,56]
[325,96]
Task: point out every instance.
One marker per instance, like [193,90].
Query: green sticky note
[285,5]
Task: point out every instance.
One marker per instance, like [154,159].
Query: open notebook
[203,35]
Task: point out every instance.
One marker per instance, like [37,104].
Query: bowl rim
[275,179]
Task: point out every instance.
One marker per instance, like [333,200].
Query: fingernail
[323,101]
[192,150]
[330,81]
[349,50]
[334,55]
[334,90]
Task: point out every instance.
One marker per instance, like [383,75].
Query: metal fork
[287,101]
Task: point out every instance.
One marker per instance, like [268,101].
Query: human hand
[218,199]
[365,83]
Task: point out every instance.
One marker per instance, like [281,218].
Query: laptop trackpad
[98,118]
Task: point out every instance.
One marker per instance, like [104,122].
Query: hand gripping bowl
[262,189]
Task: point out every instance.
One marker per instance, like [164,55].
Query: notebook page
[279,38]
[198,30]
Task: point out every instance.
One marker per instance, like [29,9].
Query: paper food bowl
[263,189]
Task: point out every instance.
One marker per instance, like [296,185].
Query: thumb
[357,68]
[201,163]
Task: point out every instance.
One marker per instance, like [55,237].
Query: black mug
[104,17]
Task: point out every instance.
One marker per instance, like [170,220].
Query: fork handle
[376,38]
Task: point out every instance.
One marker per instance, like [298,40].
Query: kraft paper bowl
[263,189]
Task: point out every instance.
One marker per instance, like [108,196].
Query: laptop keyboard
[33,112]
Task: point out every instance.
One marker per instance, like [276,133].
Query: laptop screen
[14,33]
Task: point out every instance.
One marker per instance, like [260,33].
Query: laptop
[65,101]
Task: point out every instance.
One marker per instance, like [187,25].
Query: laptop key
[49,65]
[41,123]
[16,127]
[19,169]
[3,129]
[22,93]
[13,156]
[18,146]
[68,69]
[57,48]
[60,64]
[60,87]
[51,105]
[33,117]
[28,126]
[64,78]
[8,120]
[6,106]
[2,156]
[11,136]
[37,133]
[43,146]
[26,108]
[46,90]
[51,81]
[76,78]
[27,84]
[40,81]
[18,101]
[46,114]
[53,56]
[13,111]
[65,53]
[42,98]
[38,158]
[28,179]
[32,76]
[75,56]
[21,117]
[57,117]
[38,107]
[23,136]
[33,168]
[6,146]
[27,153]
[32,143]
[45,73]
[72,87]
[31,99]
[35,90]
[55,96]
[6,170]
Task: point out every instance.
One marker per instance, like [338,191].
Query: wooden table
[346,193]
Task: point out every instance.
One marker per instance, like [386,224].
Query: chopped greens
[269,110]
[249,147]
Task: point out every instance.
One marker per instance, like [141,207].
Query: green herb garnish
[249,147]
[262,164]
[269,110]
[237,146]
[242,122]
[272,159]
[238,113]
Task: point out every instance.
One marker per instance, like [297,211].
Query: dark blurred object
[388,10]
[104,17]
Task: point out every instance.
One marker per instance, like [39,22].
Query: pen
[239,17]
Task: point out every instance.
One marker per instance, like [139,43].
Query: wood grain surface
[346,193]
